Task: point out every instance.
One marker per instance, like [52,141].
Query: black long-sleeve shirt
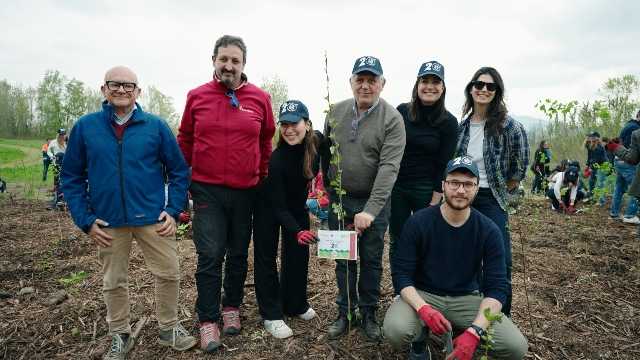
[286,188]
[428,148]
[438,258]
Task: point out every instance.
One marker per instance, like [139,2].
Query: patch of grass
[73,279]
[26,174]
[10,154]
[33,143]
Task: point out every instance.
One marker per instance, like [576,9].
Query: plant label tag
[339,245]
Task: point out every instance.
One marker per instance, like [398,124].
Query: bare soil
[576,293]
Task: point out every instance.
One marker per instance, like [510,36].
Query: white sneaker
[278,329]
[631,220]
[308,315]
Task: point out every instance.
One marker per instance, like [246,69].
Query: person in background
[565,191]
[46,160]
[318,201]
[281,210]
[55,151]
[499,147]
[596,158]
[225,136]
[540,168]
[625,173]
[431,133]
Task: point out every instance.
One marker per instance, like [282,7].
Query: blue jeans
[487,204]
[624,177]
[316,210]
[596,181]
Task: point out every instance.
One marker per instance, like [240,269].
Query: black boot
[419,351]
[370,325]
[341,325]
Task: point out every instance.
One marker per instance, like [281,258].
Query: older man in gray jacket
[371,138]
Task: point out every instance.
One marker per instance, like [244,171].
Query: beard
[459,205]
[227,80]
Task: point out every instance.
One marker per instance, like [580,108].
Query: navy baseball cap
[431,68]
[595,134]
[463,162]
[62,131]
[367,63]
[571,174]
[292,111]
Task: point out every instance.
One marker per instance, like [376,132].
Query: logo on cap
[367,61]
[288,107]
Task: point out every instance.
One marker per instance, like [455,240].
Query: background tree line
[57,102]
[570,122]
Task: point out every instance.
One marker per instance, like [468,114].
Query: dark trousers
[221,226]
[365,290]
[289,294]
[45,168]
[539,182]
[566,198]
[487,204]
[406,198]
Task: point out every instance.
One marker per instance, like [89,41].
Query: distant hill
[530,123]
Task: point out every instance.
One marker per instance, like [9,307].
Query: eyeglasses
[479,85]
[455,185]
[353,134]
[115,86]
[233,98]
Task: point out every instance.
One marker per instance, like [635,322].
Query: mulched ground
[580,300]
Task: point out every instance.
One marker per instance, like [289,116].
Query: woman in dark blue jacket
[281,208]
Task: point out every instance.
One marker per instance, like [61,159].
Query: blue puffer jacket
[126,184]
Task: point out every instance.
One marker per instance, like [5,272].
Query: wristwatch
[478,330]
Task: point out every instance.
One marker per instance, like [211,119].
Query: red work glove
[306,237]
[571,209]
[563,207]
[184,217]
[612,146]
[464,346]
[434,319]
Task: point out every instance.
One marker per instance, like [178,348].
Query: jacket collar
[135,117]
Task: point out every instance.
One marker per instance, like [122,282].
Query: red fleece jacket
[227,145]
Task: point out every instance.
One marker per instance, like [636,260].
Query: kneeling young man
[448,267]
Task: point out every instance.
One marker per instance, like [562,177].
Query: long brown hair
[497,111]
[310,142]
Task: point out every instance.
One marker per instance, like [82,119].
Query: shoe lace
[208,330]
[231,316]
[179,331]
[116,344]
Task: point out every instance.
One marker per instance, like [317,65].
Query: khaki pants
[402,324]
[160,254]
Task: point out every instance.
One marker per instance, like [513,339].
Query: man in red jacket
[225,136]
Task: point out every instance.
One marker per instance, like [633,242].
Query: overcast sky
[562,49]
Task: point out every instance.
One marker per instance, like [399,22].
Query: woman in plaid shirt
[499,147]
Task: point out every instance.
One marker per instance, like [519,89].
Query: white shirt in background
[475,150]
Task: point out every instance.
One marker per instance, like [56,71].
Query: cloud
[562,50]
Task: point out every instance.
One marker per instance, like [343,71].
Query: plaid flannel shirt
[506,156]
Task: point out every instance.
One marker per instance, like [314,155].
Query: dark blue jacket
[126,182]
[625,134]
[598,155]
